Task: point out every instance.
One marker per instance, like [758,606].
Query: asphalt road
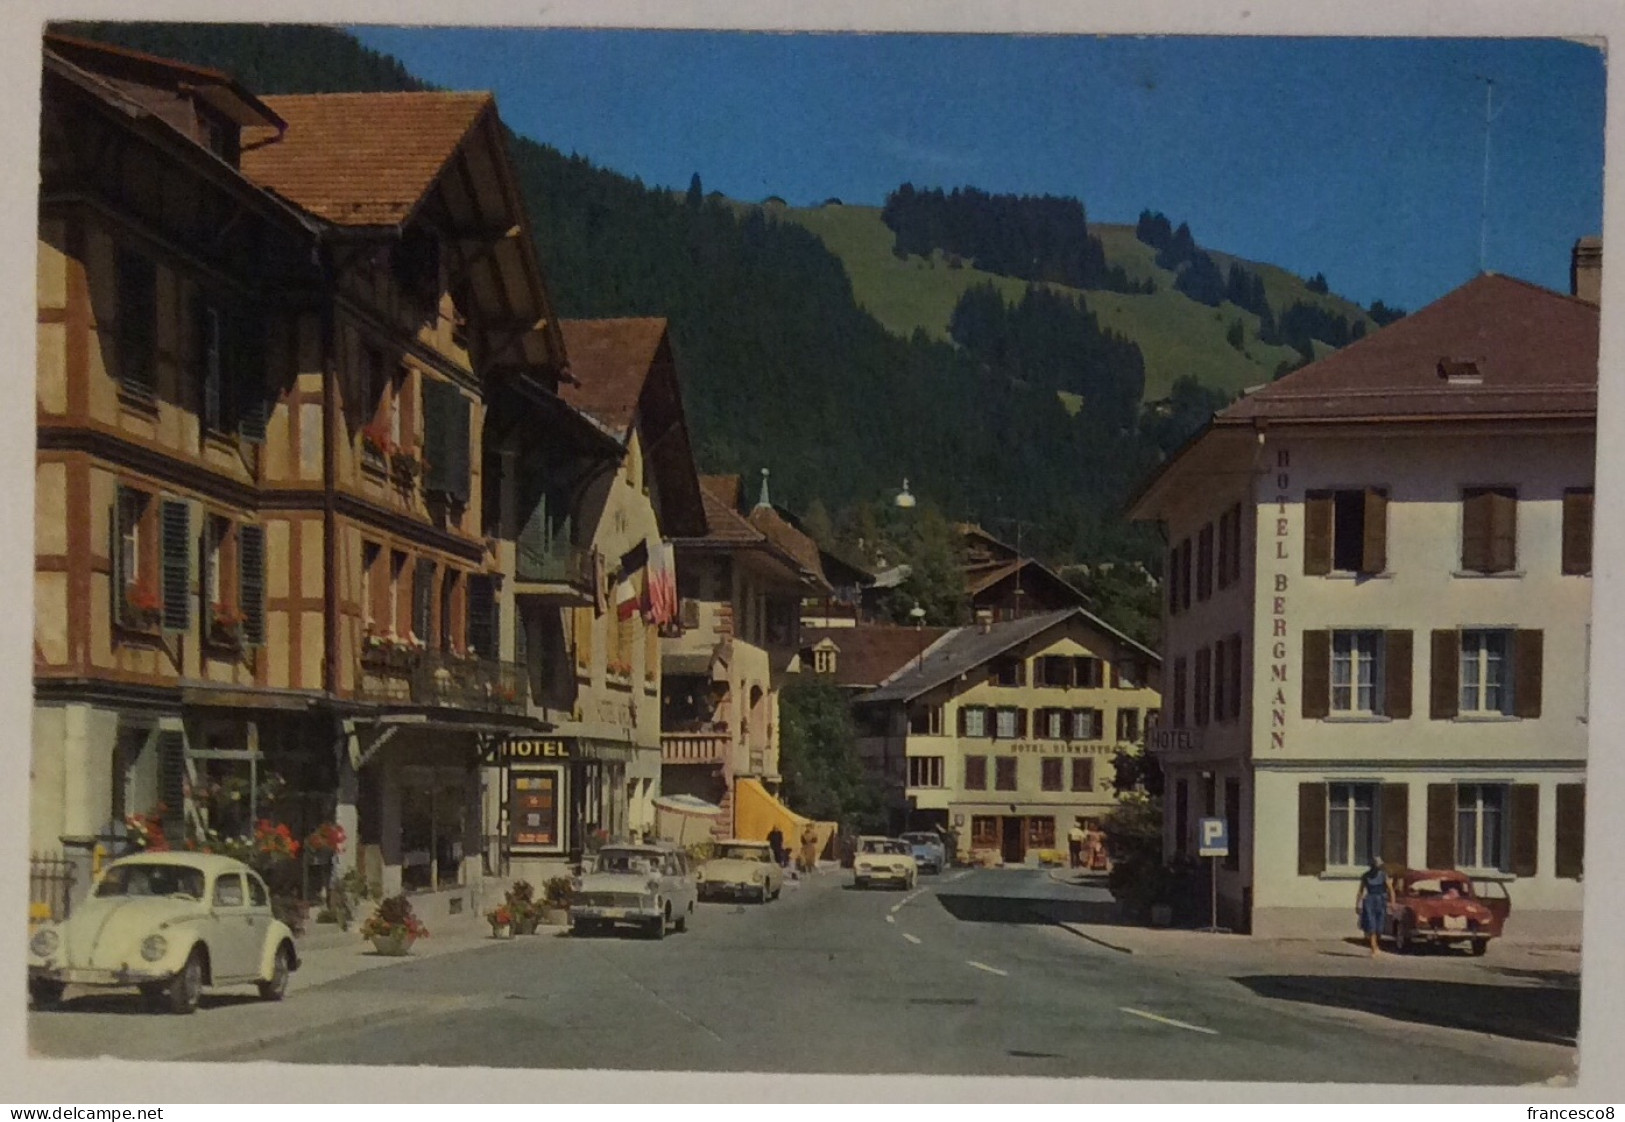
[956,977]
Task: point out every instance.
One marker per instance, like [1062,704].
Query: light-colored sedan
[648,886]
[742,869]
[170,924]
[884,859]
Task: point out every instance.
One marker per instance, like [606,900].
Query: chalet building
[740,588]
[859,657]
[1377,616]
[1003,733]
[270,330]
[595,588]
[1010,584]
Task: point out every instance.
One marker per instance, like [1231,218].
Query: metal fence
[50,887]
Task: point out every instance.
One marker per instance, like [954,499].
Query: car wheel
[1479,947]
[277,987]
[859,882]
[682,920]
[45,993]
[185,987]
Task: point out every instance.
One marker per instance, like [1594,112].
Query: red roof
[1495,346]
[610,359]
[360,159]
[789,539]
[867,656]
[726,525]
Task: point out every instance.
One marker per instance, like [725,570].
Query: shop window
[1040,833]
[432,819]
[984,831]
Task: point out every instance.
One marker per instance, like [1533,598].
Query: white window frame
[1473,677]
[1472,844]
[1343,805]
[976,725]
[1054,722]
[925,771]
[1006,722]
[1357,655]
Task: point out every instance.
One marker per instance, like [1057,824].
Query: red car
[1445,906]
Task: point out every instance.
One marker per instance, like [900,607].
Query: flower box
[395,944]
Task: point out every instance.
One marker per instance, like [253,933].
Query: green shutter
[483,629]
[251,582]
[446,436]
[176,519]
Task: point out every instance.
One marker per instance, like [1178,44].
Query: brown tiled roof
[360,159]
[867,656]
[789,539]
[727,526]
[610,359]
[725,487]
[1534,352]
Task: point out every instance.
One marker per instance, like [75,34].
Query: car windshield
[745,853]
[896,847]
[873,845]
[627,861]
[152,880]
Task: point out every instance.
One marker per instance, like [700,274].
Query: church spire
[763,501]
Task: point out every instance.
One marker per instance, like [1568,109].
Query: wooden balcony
[442,680]
[694,747]
[546,563]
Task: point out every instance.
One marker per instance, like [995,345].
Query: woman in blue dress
[1371,902]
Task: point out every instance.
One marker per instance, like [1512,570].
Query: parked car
[646,885]
[929,852]
[742,869]
[1445,906]
[884,859]
[170,924]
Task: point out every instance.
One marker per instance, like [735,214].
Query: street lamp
[917,614]
[905,497]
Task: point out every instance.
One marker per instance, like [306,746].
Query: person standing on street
[775,841]
[1371,902]
[1075,838]
[809,848]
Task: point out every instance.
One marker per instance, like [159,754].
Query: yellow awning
[756,812]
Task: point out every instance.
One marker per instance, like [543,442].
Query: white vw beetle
[169,923]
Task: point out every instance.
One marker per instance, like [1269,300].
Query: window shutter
[482,615]
[1221,681]
[1577,532]
[1099,724]
[1475,532]
[1317,674]
[1527,659]
[1185,575]
[962,720]
[1203,699]
[172,781]
[1395,811]
[1317,533]
[206,348]
[118,519]
[446,439]
[1525,828]
[1235,676]
[1204,563]
[1571,830]
[1171,580]
[247,376]
[1021,722]
[251,582]
[176,519]
[137,284]
[1444,699]
[1503,531]
[1311,829]
[1396,671]
[422,598]
[1374,547]
[1441,848]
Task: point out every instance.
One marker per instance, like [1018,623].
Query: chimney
[1585,270]
[984,620]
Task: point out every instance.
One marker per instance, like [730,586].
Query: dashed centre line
[985,966]
[911,938]
[1167,1020]
[891,919]
[897,907]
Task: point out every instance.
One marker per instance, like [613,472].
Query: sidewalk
[328,954]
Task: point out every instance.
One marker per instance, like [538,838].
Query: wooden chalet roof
[867,656]
[136,71]
[611,360]
[801,548]
[361,159]
[725,525]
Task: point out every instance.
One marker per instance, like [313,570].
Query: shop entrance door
[1012,849]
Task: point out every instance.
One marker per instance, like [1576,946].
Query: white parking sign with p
[1213,838]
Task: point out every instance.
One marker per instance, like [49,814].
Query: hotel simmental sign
[1061,748]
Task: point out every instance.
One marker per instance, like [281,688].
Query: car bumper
[613,915]
[877,875]
[89,976]
[717,888]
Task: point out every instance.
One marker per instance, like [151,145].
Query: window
[1351,824]
[1179,693]
[1185,575]
[975,773]
[1087,724]
[1234,668]
[228,891]
[1204,686]
[1204,562]
[1229,562]
[1052,724]
[1346,531]
[1129,673]
[1489,530]
[1004,774]
[484,615]
[257,896]
[1577,531]
[1128,726]
[925,771]
[1171,579]
[1481,833]
[1356,657]
[138,605]
[1055,671]
[1008,672]
[1009,723]
[1083,775]
[1049,774]
[823,661]
[211,342]
[973,721]
[374,585]
[1486,684]
[137,283]
[984,831]
[1088,672]
[1040,833]
[925,720]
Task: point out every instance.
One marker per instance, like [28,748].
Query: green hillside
[1176,335]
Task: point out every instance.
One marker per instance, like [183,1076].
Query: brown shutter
[1503,531]
[1525,828]
[1185,575]
[1441,852]
[1396,686]
[1317,674]
[1475,532]
[1395,811]
[1204,686]
[1571,830]
[1317,533]
[1311,829]
[1527,657]
[1445,673]
[1171,580]
[1021,723]
[962,720]
[1374,548]
[1577,532]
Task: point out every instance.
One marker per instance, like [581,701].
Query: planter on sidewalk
[395,944]
[556,917]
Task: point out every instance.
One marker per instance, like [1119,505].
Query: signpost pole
[1213,884]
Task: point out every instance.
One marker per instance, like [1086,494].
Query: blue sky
[1362,159]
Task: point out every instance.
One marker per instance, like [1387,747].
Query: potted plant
[556,893]
[142,606]
[501,921]
[392,927]
[521,903]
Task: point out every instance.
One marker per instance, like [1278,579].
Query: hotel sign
[535,749]
[1173,741]
[1057,748]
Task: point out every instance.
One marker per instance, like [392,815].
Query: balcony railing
[694,748]
[442,679]
[545,553]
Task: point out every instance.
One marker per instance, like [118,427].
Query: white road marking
[1167,1020]
[961,874]
[985,966]
[911,938]
[897,907]
[891,919]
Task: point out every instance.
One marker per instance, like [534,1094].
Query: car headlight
[45,942]
[758,876]
[863,866]
[154,947]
